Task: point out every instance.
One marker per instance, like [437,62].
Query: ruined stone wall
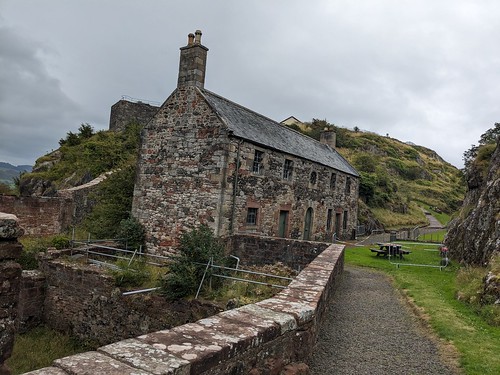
[39,215]
[256,250]
[124,112]
[31,300]
[181,170]
[83,300]
[262,338]
[10,278]
[270,193]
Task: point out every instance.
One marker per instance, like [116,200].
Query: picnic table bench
[391,249]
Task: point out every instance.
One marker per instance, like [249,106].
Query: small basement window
[252,216]
[258,158]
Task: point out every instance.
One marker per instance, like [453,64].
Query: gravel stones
[369,331]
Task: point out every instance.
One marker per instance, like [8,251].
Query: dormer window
[257,166]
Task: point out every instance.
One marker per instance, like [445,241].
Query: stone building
[205,159]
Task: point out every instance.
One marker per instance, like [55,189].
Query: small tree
[196,248]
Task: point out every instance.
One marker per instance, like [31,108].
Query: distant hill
[8,172]
[397,178]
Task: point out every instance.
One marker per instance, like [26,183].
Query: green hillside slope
[396,177]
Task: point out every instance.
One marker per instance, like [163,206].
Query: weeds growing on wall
[32,246]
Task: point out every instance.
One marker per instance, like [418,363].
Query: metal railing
[210,264]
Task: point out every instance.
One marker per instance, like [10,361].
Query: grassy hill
[9,172]
[397,178]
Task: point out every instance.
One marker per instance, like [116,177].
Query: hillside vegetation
[396,177]
[82,157]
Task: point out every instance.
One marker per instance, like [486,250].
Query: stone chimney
[328,137]
[193,62]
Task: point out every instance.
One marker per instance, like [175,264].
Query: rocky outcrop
[474,236]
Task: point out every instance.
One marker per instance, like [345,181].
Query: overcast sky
[425,71]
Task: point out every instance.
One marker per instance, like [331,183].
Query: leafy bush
[114,203]
[60,242]
[131,233]
[196,248]
[31,247]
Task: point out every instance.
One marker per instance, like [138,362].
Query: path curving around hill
[370,330]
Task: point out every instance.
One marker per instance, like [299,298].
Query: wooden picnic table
[390,249]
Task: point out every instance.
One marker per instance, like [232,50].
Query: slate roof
[256,128]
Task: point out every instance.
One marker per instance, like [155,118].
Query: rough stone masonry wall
[262,338]
[124,112]
[256,250]
[31,300]
[180,170]
[271,193]
[39,215]
[10,277]
[82,299]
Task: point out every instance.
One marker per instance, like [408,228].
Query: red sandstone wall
[39,215]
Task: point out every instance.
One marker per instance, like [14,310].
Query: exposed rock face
[475,235]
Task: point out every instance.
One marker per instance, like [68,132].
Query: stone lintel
[93,363]
[146,357]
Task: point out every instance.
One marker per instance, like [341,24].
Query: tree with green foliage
[195,250]
[491,136]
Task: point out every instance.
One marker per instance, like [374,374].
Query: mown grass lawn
[434,291]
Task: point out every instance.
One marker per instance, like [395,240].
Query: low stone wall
[256,250]
[82,299]
[262,338]
[31,300]
[10,278]
[39,215]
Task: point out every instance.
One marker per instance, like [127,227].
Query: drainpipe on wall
[235,188]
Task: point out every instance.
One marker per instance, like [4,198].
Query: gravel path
[353,341]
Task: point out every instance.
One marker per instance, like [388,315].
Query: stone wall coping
[197,347]
[9,227]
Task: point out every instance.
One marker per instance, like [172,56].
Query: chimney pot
[193,61]
[197,38]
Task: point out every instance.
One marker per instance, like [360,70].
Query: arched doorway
[308,224]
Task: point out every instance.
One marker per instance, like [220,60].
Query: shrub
[60,242]
[131,233]
[196,248]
